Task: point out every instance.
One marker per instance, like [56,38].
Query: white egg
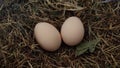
[72,31]
[47,36]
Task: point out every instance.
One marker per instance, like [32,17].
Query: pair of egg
[49,38]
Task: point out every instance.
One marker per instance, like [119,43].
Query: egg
[47,36]
[72,31]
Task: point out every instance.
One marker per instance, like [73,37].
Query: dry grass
[19,49]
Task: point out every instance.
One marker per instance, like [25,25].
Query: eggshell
[47,36]
[72,31]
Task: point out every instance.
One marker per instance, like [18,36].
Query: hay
[18,47]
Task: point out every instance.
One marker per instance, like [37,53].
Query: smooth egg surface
[72,31]
[47,36]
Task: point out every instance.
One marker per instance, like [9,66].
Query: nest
[18,47]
